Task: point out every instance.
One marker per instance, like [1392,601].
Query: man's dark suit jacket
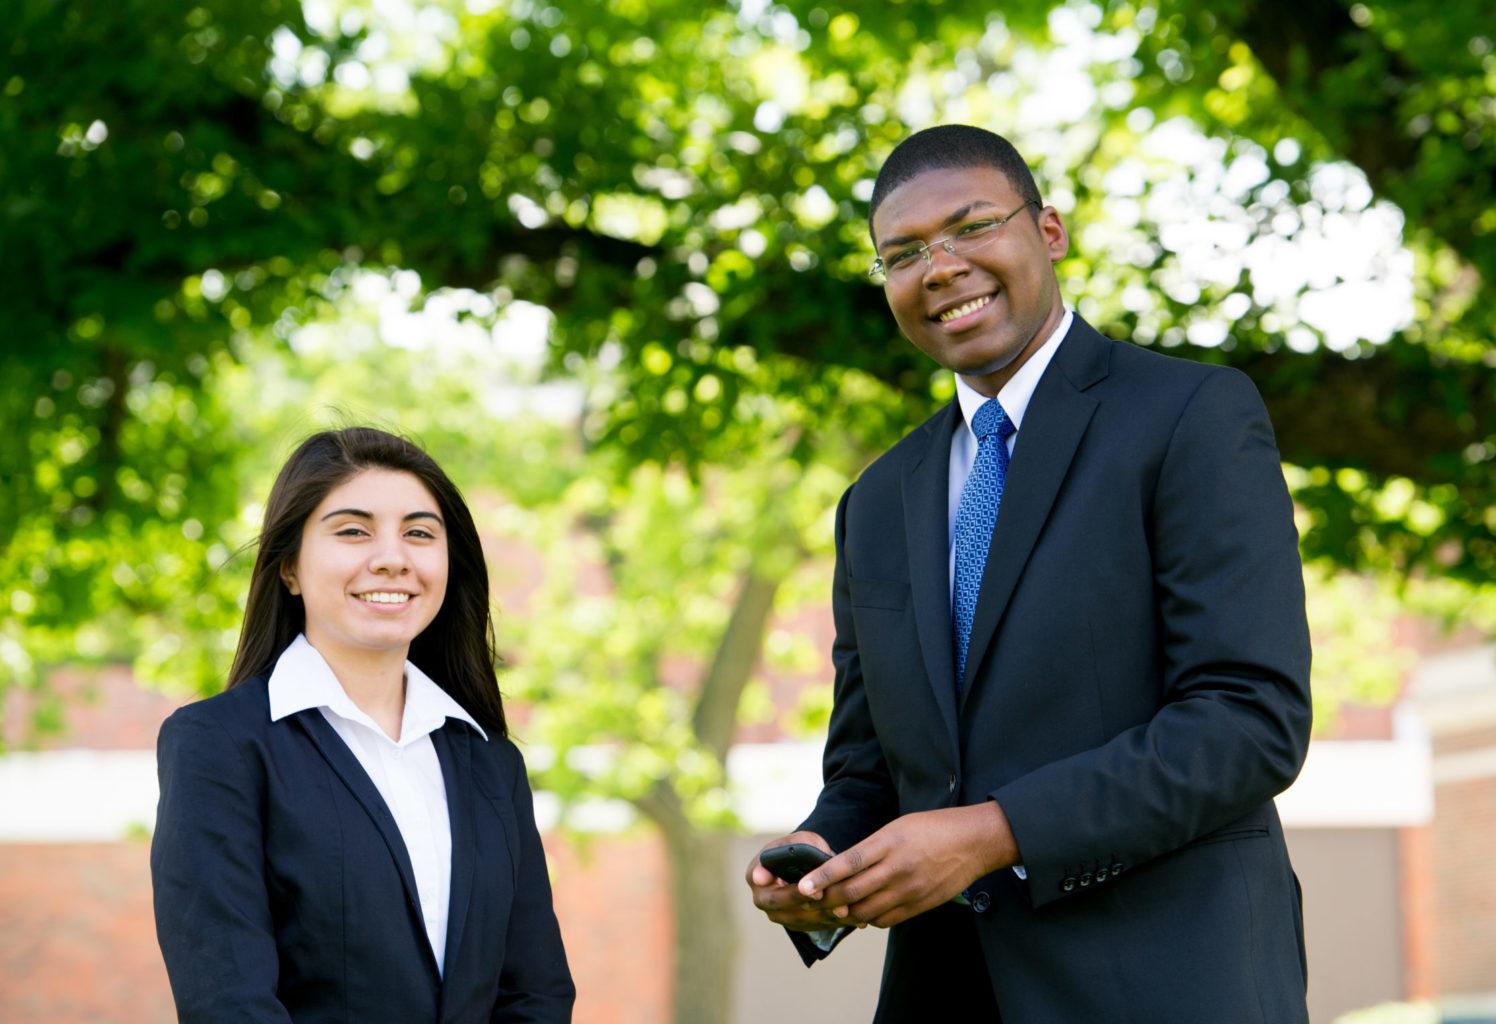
[1137,691]
[284,892]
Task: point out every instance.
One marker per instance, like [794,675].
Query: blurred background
[606,261]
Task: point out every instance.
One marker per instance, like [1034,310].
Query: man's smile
[963,312]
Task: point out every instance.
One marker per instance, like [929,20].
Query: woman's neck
[373,680]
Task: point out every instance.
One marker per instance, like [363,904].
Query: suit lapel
[1057,417]
[453,751]
[927,530]
[337,754]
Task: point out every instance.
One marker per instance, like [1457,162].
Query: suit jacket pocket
[1226,835]
[890,594]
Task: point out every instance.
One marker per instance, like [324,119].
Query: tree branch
[732,665]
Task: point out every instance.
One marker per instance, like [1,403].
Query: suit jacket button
[980,901]
[1085,879]
[950,784]
[1101,875]
[1068,885]
[1117,868]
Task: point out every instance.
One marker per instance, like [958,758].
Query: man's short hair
[952,145]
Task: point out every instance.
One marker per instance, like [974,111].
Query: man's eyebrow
[955,216]
[361,514]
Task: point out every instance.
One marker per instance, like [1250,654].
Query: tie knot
[991,419]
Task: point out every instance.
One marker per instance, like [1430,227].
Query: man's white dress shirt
[1014,398]
[406,771]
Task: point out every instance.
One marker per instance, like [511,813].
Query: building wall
[1352,922]
[1456,694]
[1464,927]
[1382,911]
[78,938]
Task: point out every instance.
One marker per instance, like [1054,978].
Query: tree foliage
[677,183]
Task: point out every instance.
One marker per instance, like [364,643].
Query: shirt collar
[303,679]
[1014,396]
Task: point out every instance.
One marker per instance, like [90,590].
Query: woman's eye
[351,531]
[421,535]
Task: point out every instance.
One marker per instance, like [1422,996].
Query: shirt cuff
[827,938]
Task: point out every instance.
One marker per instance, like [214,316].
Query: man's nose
[943,266]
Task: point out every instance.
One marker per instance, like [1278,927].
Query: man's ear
[288,577]
[1056,237]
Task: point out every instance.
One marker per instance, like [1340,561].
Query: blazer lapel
[1057,417]
[453,752]
[927,535]
[337,754]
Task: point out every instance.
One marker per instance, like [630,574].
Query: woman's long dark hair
[456,650]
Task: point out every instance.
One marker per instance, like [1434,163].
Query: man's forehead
[931,196]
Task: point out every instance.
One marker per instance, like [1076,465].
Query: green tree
[664,177]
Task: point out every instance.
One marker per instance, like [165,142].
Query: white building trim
[105,796]
[77,796]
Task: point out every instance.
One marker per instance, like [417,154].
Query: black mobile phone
[793,861]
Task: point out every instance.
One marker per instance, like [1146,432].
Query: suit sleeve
[1233,722]
[534,982]
[857,794]
[207,873]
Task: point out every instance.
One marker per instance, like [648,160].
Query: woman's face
[372,571]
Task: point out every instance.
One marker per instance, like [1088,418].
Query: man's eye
[902,259]
[976,227]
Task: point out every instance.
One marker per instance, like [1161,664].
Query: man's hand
[782,902]
[915,862]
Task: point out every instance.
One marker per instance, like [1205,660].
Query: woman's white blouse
[406,772]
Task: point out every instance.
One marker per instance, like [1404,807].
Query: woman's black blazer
[284,892]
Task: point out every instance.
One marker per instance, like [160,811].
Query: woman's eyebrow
[361,514]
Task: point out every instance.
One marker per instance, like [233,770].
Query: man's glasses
[967,238]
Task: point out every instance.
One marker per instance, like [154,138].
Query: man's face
[1010,278]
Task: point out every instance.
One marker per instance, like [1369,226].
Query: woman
[346,833]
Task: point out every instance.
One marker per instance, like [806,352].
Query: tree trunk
[705,937]
[700,875]
[716,715]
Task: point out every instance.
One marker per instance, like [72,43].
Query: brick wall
[614,908]
[98,709]
[1456,689]
[1464,905]
[78,939]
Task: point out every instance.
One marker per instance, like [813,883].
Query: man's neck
[989,384]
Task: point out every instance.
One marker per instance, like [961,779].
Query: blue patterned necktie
[976,515]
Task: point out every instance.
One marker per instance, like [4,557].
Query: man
[1071,655]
